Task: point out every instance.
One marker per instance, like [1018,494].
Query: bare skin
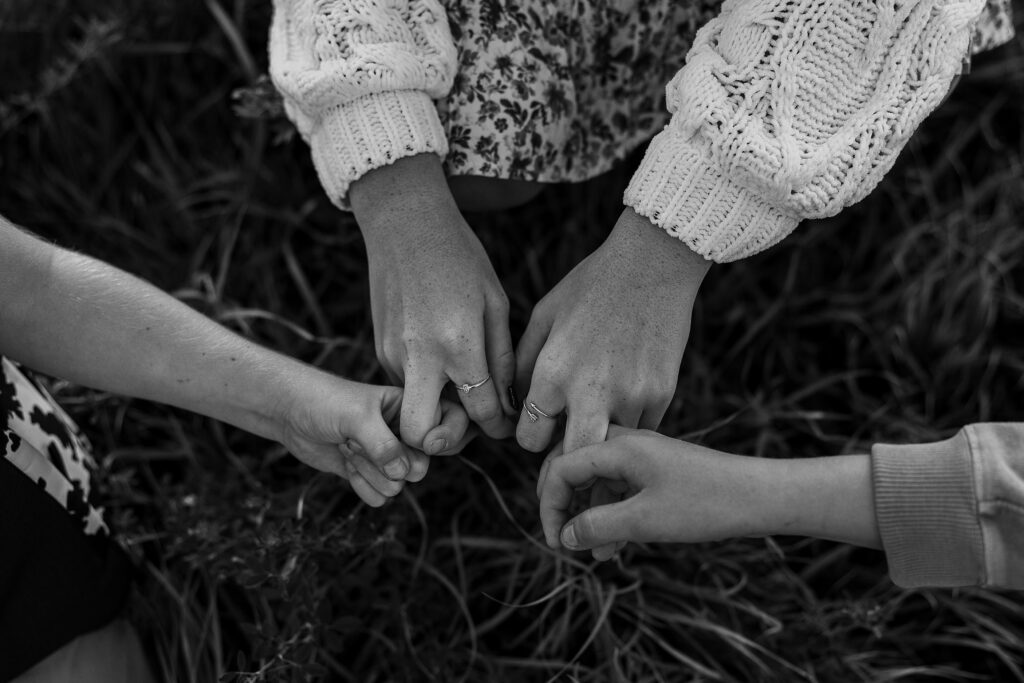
[74,317]
[683,493]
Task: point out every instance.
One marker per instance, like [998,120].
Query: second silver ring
[535,413]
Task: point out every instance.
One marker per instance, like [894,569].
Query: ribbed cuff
[680,190]
[373,131]
[927,513]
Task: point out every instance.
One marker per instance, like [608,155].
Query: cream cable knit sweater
[786,109]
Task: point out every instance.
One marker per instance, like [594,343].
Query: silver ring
[535,413]
[467,387]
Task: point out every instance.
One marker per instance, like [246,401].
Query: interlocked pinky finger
[546,466]
[362,488]
[375,478]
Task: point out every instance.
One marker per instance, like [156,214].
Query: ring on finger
[535,413]
[468,387]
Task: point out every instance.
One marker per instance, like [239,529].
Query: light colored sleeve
[952,513]
[793,110]
[358,79]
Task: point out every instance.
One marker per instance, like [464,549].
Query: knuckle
[454,339]
[549,370]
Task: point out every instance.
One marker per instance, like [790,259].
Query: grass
[900,320]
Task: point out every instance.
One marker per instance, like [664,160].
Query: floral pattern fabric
[561,90]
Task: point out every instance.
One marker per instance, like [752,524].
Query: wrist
[831,498]
[394,197]
[658,254]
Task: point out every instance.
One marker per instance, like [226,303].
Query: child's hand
[342,427]
[677,492]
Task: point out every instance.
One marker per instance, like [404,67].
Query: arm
[781,114]
[682,492]
[74,317]
[947,514]
[358,79]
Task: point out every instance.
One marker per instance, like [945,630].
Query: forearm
[827,497]
[77,318]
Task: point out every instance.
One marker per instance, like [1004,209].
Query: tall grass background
[900,320]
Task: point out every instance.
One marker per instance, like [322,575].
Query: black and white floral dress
[580,84]
[61,575]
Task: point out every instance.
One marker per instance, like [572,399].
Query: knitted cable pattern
[792,109]
[358,78]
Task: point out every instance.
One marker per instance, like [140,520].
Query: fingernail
[436,446]
[513,398]
[396,469]
[569,537]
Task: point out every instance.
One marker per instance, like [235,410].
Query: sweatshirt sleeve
[358,79]
[952,513]
[793,110]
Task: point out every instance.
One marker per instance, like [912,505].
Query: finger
[653,415]
[424,381]
[565,474]
[481,403]
[324,457]
[362,488]
[419,463]
[535,430]
[602,495]
[600,527]
[383,449]
[501,359]
[449,433]
[375,478]
[545,466]
[528,350]
[585,426]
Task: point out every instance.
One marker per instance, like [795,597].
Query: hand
[606,343]
[678,492]
[439,312]
[684,493]
[341,427]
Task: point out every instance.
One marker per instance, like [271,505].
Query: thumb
[602,525]
[384,449]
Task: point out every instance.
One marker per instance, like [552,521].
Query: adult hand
[342,427]
[439,312]
[605,345]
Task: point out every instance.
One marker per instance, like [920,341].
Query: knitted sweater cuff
[371,131]
[680,189]
[927,513]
